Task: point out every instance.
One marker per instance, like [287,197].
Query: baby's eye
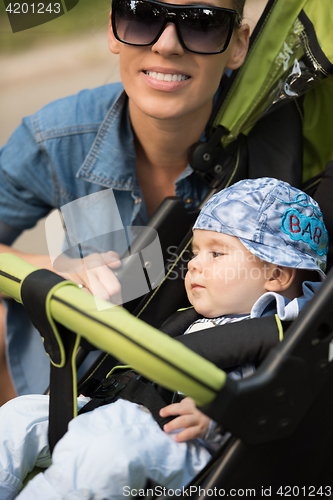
[217,254]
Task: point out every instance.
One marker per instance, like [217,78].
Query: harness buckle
[112,385]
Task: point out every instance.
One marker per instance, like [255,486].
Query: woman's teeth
[166,77]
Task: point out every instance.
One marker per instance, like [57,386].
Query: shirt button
[188,201]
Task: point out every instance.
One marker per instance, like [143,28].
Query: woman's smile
[167,80]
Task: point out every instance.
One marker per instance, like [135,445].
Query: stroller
[268,102]
[280,417]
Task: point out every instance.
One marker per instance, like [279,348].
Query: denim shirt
[71,148]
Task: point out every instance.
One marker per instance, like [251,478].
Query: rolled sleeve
[7,234]
[25,182]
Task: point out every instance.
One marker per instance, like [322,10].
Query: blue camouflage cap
[275,221]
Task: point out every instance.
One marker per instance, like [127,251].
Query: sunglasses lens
[205,30]
[136,22]
[201,29]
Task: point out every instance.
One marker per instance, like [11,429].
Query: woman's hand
[193,422]
[94,273]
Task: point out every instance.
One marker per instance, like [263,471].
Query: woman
[132,137]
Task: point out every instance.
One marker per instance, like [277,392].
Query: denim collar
[111,161]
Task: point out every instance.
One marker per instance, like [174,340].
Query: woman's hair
[239,6]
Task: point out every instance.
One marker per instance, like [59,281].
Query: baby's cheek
[187,285]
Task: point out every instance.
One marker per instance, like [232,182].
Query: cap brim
[262,252]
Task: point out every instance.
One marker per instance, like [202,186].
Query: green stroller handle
[13,271]
[114,330]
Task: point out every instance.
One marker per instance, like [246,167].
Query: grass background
[86,17]
[48,62]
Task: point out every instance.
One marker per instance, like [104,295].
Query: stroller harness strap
[61,345]
[129,385]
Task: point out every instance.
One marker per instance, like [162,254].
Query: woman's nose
[168,43]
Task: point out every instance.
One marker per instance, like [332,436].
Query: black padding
[323,196]
[34,291]
[227,346]
[266,157]
[178,323]
[62,390]
[232,344]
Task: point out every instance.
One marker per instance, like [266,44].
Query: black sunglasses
[200,28]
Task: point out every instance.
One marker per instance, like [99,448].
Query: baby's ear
[113,42]
[240,47]
[281,279]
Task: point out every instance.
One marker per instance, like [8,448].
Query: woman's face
[166,81]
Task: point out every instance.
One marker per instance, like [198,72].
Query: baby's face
[223,276]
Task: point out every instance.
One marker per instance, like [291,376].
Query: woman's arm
[94,273]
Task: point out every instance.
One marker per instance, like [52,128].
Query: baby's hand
[193,421]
